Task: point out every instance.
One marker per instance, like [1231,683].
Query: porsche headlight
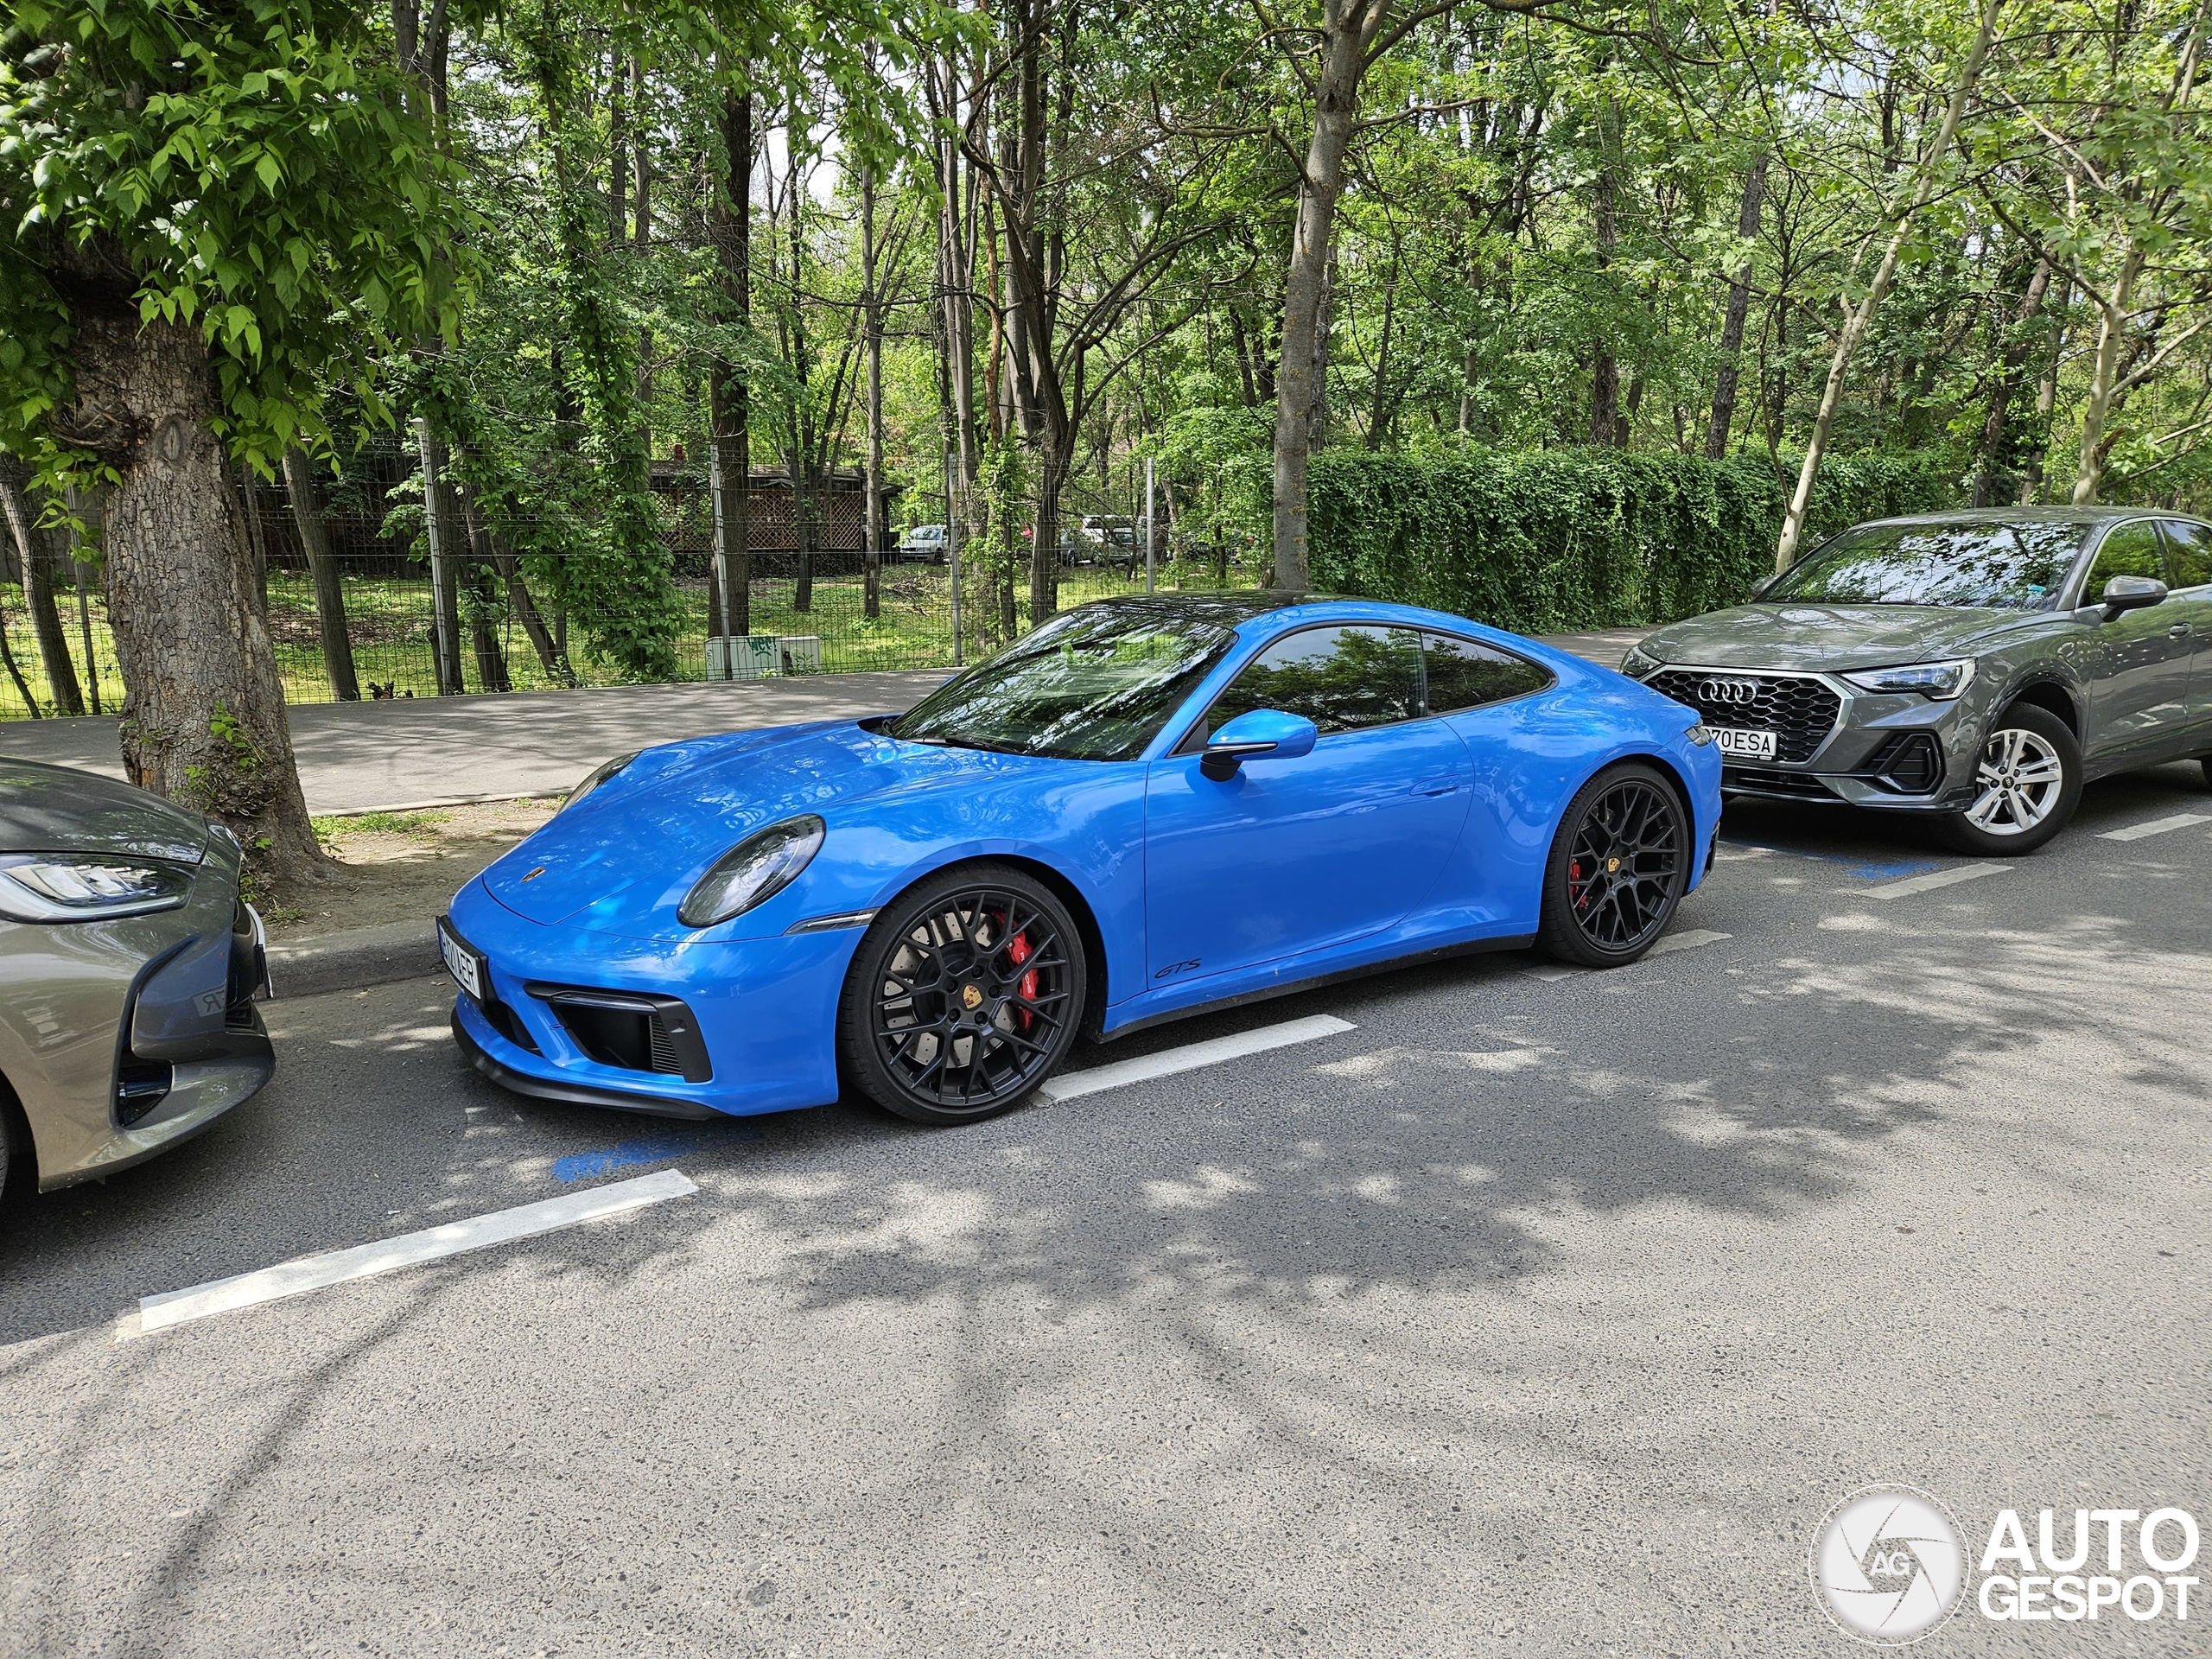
[597,775]
[753,872]
[72,887]
[1640,665]
[1942,681]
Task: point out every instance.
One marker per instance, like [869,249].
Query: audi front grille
[1797,709]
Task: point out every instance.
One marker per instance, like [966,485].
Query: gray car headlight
[1942,681]
[753,872]
[597,775]
[68,887]
[1640,665]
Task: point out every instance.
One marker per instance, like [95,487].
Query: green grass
[377,823]
[388,620]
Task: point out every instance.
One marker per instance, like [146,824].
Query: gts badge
[1175,968]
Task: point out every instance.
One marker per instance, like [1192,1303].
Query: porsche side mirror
[1263,731]
[2124,594]
[1759,588]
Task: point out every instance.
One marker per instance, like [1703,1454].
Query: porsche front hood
[621,859]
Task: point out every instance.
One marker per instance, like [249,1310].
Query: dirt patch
[404,867]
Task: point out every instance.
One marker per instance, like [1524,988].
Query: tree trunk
[871,482]
[2104,364]
[1862,317]
[446,554]
[2013,357]
[485,542]
[1605,367]
[1731,326]
[491,659]
[2046,401]
[12,474]
[88,507]
[641,178]
[803,521]
[322,568]
[203,714]
[32,548]
[1349,28]
[728,402]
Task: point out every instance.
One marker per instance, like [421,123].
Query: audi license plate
[1740,745]
[463,962]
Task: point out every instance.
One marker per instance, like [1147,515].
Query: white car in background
[923,542]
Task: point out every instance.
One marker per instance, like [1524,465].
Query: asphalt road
[1534,1315]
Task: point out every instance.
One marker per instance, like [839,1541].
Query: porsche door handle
[1437,786]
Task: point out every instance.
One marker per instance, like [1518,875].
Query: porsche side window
[1464,675]
[2130,550]
[2188,554]
[1339,678]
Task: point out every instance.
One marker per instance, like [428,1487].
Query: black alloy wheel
[1617,869]
[965,995]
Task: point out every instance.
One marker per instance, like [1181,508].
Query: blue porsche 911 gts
[1148,807]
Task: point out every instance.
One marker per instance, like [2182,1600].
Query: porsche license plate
[1740,745]
[463,962]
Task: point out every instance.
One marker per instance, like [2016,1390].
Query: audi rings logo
[1737,692]
[1888,1564]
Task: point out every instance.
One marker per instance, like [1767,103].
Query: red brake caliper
[1019,951]
[1575,881]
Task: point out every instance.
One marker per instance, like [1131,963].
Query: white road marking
[1913,884]
[309,1273]
[1072,1085]
[1686,941]
[2156,827]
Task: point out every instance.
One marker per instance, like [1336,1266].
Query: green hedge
[1552,540]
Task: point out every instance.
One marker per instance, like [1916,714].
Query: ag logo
[1888,1565]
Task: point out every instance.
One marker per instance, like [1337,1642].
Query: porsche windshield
[2018,566]
[1095,685]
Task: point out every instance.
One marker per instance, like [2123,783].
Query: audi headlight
[69,887]
[1942,681]
[753,872]
[1640,665]
[1701,734]
[597,775]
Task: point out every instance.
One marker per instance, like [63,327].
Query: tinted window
[2012,566]
[2129,549]
[1464,675]
[1338,678]
[2188,554]
[1095,685]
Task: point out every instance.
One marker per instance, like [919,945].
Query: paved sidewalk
[362,757]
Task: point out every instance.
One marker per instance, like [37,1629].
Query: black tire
[2018,807]
[1617,869]
[927,979]
[2204,764]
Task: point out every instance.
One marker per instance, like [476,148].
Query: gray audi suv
[128,968]
[1977,667]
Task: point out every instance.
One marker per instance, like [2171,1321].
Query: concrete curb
[349,961]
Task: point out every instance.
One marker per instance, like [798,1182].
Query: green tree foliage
[249,167]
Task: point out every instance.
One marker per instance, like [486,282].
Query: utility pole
[1147,524]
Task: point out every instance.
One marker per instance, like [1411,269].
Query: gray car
[1978,667]
[128,968]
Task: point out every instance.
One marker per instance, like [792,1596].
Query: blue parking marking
[651,1149]
[1866,869]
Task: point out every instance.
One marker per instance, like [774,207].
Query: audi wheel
[1617,869]
[963,997]
[2027,783]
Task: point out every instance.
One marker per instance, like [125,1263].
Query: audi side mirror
[1263,731]
[2124,594]
[1759,588]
